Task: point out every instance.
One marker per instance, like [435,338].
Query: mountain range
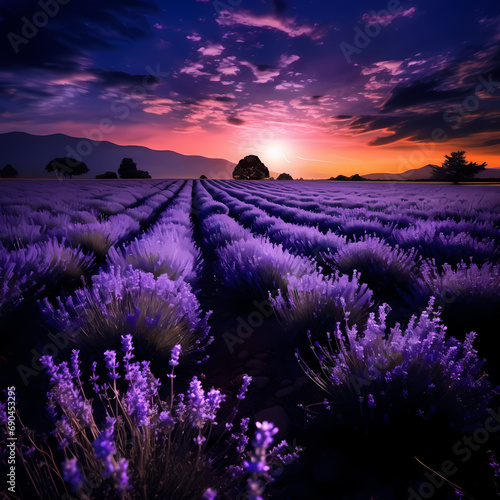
[423,173]
[16,148]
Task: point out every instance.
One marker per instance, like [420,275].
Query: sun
[275,152]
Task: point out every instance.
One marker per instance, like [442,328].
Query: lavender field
[210,339]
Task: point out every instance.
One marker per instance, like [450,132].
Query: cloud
[262,72]
[285,60]
[393,67]
[418,127]
[270,21]
[386,18]
[235,121]
[194,37]
[289,86]
[227,66]
[194,69]
[213,49]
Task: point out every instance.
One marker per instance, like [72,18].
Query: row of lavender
[142,296]
[49,233]
[406,249]
[306,265]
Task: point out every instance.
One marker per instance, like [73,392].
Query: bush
[157,313]
[415,373]
[390,272]
[168,250]
[128,443]
[316,304]
[248,270]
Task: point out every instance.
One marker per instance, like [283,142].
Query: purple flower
[104,447]
[371,401]
[174,358]
[264,434]
[111,364]
[72,473]
[94,378]
[244,387]
[75,364]
[121,476]
[209,494]
[127,347]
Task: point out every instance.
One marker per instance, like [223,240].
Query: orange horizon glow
[315,156]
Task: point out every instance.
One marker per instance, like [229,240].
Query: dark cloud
[64,37]
[280,7]
[342,117]
[420,92]
[422,127]
[235,121]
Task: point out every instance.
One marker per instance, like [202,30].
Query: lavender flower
[209,494]
[72,473]
[121,476]
[111,364]
[105,448]
[127,347]
[174,359]
[244,387]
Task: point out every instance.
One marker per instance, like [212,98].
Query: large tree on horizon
[67,167]
[456,168]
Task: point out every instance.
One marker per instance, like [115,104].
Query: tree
[107,175]
[128,170]
[456,168]
[8,172]
[250,168]
[203,176]
[67,167]
[284,177]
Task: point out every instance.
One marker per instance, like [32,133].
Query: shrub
[248,270]
[157,313]
[469,295]
[376,376]
[130,444]
[390,272]
[166,250]
[317,303]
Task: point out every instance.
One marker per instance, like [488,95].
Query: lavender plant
[390,272]
[157,313]
[142,447]
[317,303]
[249,270]
[409,373]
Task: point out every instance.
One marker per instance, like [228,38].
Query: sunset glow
[310,87]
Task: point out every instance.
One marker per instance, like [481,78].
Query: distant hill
[30,153]
[425,173]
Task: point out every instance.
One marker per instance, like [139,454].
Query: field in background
[253,274]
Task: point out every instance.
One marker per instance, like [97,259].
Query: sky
[314,88]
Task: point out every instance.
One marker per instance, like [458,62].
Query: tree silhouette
[128,170]
[250,168]
[284,177]
[456,168]
[67,167]
[8,172]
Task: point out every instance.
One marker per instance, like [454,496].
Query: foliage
[456,168]
[137,446]
[128,170]
[375,376]
[284,177]
[8,172]
[250,168]
[67,167]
